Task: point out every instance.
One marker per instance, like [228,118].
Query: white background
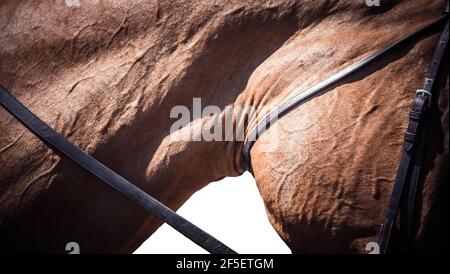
[232,211]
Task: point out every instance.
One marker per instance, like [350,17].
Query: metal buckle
[423,92]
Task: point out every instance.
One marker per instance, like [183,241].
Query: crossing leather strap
[59,144]
[301,97]
[409,172]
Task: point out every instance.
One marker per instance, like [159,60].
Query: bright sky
[232,211]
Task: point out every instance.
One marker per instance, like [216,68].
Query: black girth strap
[303,96]
[59,144]
[409,172]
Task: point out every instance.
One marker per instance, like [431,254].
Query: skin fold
[106,75]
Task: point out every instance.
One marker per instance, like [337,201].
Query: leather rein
[408,177]
[408,173]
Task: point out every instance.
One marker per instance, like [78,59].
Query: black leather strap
[317,89]
[410,164]
[59,144]
[408,174]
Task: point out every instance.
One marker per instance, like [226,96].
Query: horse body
[107,77]
[327,185]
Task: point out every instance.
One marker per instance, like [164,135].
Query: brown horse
[107,75]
